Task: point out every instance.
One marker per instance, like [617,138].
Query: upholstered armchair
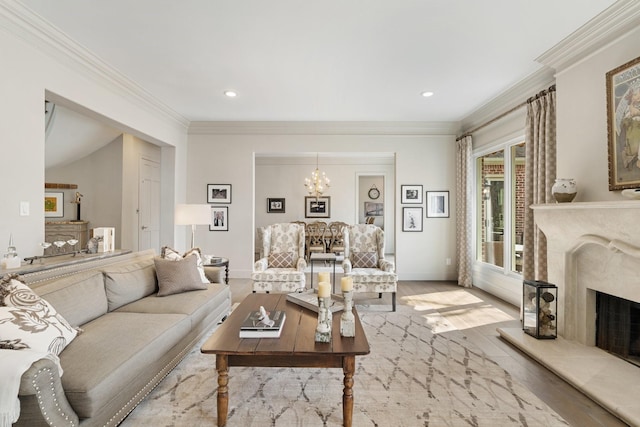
[281,268]
[364,261]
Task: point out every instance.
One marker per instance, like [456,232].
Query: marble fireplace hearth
[592,246]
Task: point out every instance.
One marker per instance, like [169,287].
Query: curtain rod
[551,88]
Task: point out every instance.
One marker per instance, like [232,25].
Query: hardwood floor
[478,314]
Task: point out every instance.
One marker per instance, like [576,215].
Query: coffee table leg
[222,366]
[349,368]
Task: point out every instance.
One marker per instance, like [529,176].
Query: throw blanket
[14,363]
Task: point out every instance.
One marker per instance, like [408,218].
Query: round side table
[220,262]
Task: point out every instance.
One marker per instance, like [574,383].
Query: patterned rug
[412,377]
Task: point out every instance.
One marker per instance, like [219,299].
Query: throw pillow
[177,276]
[281,260]
[364,259]
[172,254]
[28,321]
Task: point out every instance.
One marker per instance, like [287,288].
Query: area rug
[412,377]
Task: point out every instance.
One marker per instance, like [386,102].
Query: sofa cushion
[177,276]
[197,304]
[28,321]
[115,352]
[129,282]
[173,255]
[79,298]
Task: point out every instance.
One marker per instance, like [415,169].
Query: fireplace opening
[618,326]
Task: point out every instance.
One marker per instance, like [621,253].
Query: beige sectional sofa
[130,339]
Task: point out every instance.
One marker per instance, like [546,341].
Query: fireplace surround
[591,247]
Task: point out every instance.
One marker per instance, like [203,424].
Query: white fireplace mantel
[591,246]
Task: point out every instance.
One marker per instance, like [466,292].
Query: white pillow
[173,255]
[28,321]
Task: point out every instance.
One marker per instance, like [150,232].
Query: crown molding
[620,18]
[322,128]
[21,22]
[509,99]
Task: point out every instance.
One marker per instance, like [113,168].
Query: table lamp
[193,215]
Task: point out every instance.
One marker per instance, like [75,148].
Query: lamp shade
[193,214]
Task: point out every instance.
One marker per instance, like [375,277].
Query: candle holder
[323,330]
[347,319]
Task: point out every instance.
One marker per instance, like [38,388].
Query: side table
[220,262]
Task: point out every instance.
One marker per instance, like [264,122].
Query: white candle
[323,276]
[324,289]
[347,284]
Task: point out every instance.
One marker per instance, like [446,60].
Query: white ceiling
[330,60]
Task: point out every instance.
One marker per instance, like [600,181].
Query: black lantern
[540,306]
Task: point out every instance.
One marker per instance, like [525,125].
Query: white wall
[229,159]
[365,183]
[32,64]
[582,118]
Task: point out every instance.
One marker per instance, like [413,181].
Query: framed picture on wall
[219,218]
[53,204]
[275,205]
[412,219]
[437,204]
[317,207]
[411,194]
[373,209]
[218,193]
[623,125]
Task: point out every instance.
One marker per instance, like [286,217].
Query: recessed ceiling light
[427,94]
[230,93]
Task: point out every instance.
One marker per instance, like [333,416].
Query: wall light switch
[24,208]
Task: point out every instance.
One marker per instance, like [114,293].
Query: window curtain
[464,188]
[540,173]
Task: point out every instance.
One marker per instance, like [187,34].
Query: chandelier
[318,183]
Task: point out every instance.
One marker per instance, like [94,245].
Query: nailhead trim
[153,382]
[53,393]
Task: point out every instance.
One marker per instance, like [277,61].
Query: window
[500,206]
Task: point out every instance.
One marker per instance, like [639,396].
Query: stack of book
[254,327]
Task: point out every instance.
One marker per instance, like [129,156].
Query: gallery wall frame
[623,125]
[412,219]
[219,218]
[437,204]
[53,204]
[218,193]
[317,207]
[373,209]
[275,205]
[411,194]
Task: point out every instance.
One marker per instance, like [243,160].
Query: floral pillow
[173,255]
[28,321]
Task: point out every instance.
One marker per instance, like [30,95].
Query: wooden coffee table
[295,348]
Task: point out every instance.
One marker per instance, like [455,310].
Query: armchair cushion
[281,260]
[364,259]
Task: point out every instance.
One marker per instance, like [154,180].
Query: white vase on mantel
[564,190]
